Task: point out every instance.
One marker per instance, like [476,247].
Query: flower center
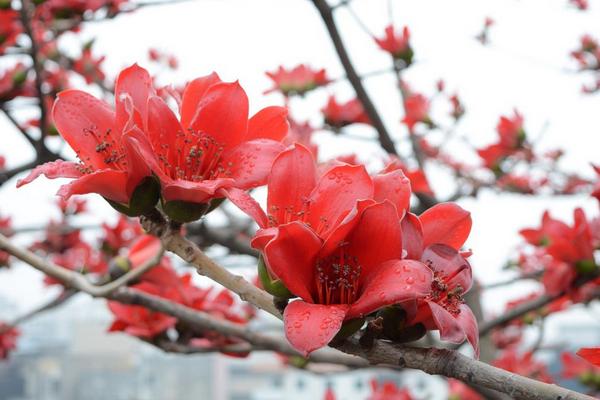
[195,156]
[441,293]
[113,153]
[337,278]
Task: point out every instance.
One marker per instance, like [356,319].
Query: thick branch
[384,137]
[455,365]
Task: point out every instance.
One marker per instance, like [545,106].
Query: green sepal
[394,320]
[184,211]
[348,329]
[298,361]
[274,287]
[5,5]
[19,78]
[214,204]
[586,266]
[143,199]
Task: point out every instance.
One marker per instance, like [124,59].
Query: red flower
[388,391]
[523,364]
[339,255]
[580,4]
[576,367]
[298,80]
[137,320]
[338,115]
[6,230]
[120,235]
[460,391]
[443,308]
[213,147]
[14,83]
[397,45]
[89,67]
[416,107]
[510,130]
[97,134]
[8,339]
[329,394]
[592,355]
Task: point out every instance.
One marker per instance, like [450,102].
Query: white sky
[526,66]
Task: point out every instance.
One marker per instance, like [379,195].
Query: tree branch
[327,15]
[455,365]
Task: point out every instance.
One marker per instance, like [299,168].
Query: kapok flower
[8,339]
[338,115]
[212,147]
[578,367]
[416,108]
[590,354]
[137,320]
[96,132]
[298,80]
[388,391]
[444,308]
[333,245]
[397,45]
[510,130]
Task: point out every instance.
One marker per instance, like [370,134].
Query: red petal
[450,329]
[223,114]
[269,123]
[467,320]
[376,238]
[336,194]
[590,354]
[309,327]
[247,204]
[343,229]
[193,93]
[262,237]
[449,263]
[135,83]
[53,170]
[293,177]
[412,236]
[250,163]
[394,282]
[108,183]
[76,114]
[446,223]
[163,127]
[395,187]
[291,255]
[143,250]
[195,192]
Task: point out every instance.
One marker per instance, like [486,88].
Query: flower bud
[118,267]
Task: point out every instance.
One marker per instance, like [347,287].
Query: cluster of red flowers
[298,80]
[360,254]
[163,281]
[587,56]
[342,241]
